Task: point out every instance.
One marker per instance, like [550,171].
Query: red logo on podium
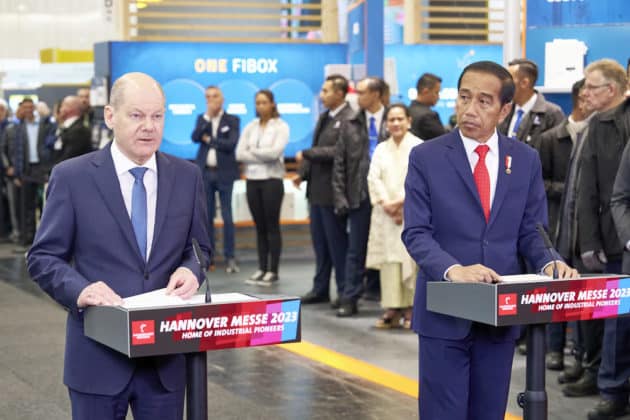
[507,304]
[142,332]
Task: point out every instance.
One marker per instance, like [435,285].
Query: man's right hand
[472,274]
[98,294]
[594,261]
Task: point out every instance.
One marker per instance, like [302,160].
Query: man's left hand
[183,283]
[564,271]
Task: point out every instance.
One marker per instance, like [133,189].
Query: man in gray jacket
[358,138]
[531,113]
[599,242]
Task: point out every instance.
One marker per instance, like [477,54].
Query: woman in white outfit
[261,149]
[386,252]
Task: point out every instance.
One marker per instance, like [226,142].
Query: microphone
[202,263]
[549,246]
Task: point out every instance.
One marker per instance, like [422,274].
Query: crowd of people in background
[355,172]
[32,140]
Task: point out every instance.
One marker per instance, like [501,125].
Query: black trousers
[264,198]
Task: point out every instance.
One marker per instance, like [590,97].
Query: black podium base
[196,386]
[534,399]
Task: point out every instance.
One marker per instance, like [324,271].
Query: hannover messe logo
[507,304]
[142,332]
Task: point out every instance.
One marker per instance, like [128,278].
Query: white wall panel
[27,26]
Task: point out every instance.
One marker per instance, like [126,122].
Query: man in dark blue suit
[119,222]
[473,199]
[217,133]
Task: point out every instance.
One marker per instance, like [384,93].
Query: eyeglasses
[593,87]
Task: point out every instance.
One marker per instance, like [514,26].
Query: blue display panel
[545,13]
[445,61]
[293,72]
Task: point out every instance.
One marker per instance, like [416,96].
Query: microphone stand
[534,400]
[197,363]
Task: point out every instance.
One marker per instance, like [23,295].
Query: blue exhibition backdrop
[545,13]
[604,26]
[293,72]
[446,61]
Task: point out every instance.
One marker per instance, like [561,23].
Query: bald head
[130,83]
[136,115]
[70,107]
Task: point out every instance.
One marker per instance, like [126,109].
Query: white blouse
[262,149]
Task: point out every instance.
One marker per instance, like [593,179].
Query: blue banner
[445,61]
[545,13]
[294,73]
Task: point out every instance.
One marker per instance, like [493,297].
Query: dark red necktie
[482,179]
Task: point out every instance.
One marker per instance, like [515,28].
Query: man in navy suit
[217,133]
[473,199]
[119,222]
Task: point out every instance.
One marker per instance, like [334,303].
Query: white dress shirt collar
[333,112]
[492,158]
[122,163]
[378,118]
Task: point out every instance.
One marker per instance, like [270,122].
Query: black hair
[490,67]
[427,80]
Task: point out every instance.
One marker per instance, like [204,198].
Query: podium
[232,320]
[533,303]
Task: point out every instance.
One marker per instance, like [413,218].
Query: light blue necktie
[373,135]
[139,209]
[517,123]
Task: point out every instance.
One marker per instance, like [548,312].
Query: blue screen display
[294,73]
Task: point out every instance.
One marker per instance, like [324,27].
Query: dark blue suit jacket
[86,235]
[445,225]
[224,144]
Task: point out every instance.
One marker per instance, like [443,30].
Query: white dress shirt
[492,159]
[492,164]
[527,107]
[378,119]
[211,158]
[122,165]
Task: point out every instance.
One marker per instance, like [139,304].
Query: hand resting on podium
[479,273]
[182,283]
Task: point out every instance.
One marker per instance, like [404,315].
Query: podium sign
[188,328]
[532,302]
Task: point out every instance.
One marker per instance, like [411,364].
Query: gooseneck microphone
[549,246]
[202,263]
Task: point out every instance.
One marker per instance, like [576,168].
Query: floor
[256,383]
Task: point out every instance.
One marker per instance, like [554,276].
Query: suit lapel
[166,178]
[108,185]
[503,178]
[457,157]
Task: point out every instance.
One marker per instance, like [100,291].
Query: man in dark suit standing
[601,247]
[328,231]
[560,149]
[473,200]
[217,133]
[425,123]
[358,138]
[531,114]
[73,137]
[118,222]
[32,161]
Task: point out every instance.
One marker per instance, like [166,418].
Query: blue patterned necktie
[139,209]
[517,123]
[373,135]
